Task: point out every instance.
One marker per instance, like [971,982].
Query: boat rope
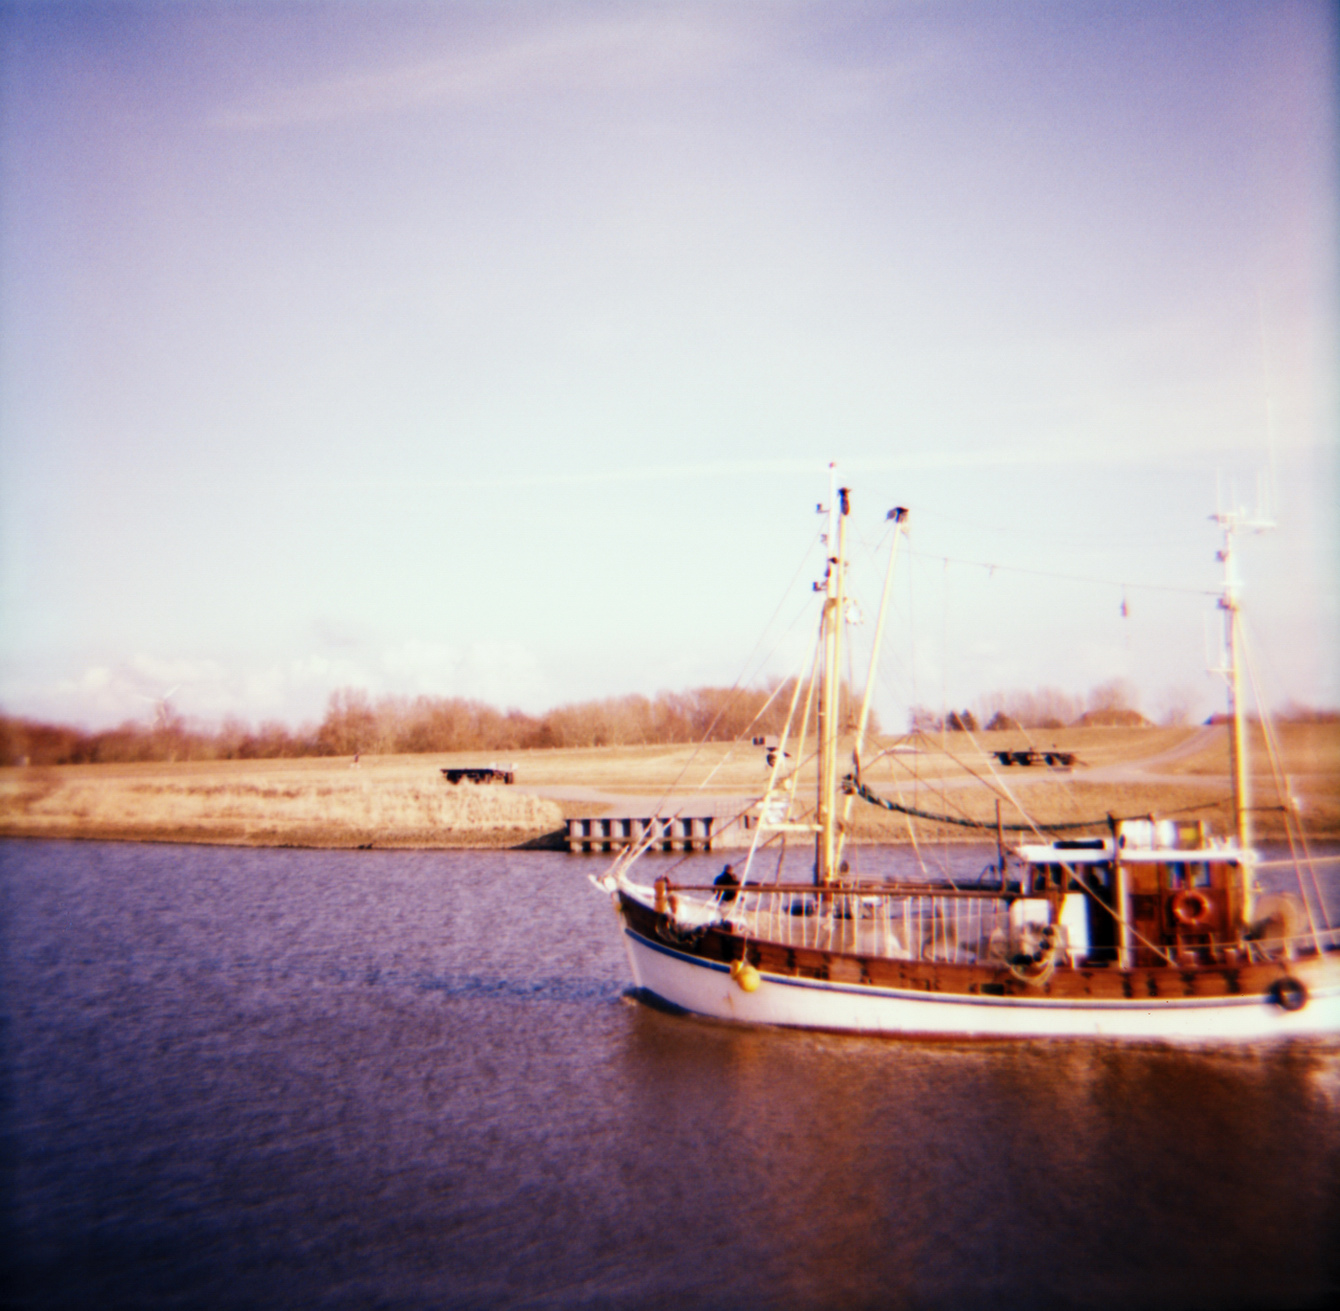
[778,764]
[997,784]
[742,680]
[859,789]
[1123,584]
[1036,968]
[1293,830]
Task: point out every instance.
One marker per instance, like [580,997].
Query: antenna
[832,506]
[162,711]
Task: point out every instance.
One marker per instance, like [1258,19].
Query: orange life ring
[1192,908]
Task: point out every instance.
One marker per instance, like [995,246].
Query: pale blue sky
[499,350]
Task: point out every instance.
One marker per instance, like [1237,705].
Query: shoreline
[499,840]
[404,803]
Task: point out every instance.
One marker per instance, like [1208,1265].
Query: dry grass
[1306,749]
[1048,801]
[735,768]
[270,806]
[403,800]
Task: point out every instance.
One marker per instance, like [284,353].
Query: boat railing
[1294,946]
[912,922]
[906,922]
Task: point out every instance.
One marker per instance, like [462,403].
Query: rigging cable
[875,799]
[735,689]
[1073,578]
[1283,789]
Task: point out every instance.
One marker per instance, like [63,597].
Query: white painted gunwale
[705,987]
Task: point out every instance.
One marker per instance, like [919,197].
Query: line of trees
[355,722]
[1113,702]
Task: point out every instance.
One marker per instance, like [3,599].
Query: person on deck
[729,886]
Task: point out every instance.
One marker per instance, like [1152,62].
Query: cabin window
[1099,875]
[1188,874]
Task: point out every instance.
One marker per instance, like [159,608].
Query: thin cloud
[721,471]
[631,53]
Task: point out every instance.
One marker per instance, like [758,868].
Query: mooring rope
[860,790]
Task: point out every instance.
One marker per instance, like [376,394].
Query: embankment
[335,807]
[403,801]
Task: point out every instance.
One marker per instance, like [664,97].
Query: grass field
[392,802]
[403,801]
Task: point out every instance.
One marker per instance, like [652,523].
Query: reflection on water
[240,1078]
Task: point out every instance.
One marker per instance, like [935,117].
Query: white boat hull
[705,987]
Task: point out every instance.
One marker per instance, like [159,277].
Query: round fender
[1192,908]
[745,975]
[1288,993]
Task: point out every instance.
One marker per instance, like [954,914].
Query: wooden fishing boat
[1152,931]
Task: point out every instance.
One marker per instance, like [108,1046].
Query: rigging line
[748,729]
[995,777]
[911,827]
[1033,826]
[1249,648]
[944,704]
[1289,864]
[944,654]
[776,691]
[1014,530]
[795,775]
[944,793]
[1285,793]
[1122,922]
[864,542]
[735,688]
[1014,801]
[1073,578]
[875,799]
[802,610]
[778,764]
[915,776]
[1004,792]
[811,687]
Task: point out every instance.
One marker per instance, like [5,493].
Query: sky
[501,350]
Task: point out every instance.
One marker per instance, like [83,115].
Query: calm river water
[245,1078]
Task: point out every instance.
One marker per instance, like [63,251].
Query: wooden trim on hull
[813,988]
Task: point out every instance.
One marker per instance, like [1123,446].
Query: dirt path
[1147,768]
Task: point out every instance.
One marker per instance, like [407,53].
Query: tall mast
[898,517]
[1233,521]
[825,856]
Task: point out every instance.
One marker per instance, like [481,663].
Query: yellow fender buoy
[745,975]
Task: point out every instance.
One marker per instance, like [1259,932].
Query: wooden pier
[672,833]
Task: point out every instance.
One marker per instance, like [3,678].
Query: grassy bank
[403,801]
[323,803]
